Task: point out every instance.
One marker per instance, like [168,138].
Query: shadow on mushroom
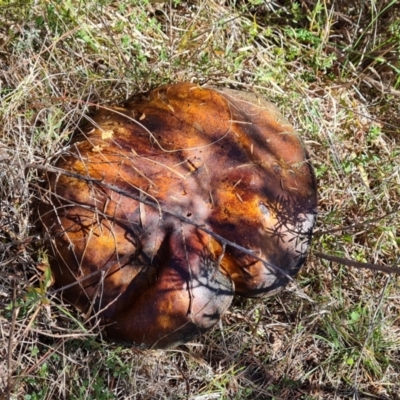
[151,209]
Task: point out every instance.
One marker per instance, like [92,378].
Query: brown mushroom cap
[226,160]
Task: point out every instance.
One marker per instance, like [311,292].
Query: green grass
[333,69]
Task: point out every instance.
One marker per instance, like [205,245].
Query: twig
[138,198]
[222,240]
[42,359]
[356,264]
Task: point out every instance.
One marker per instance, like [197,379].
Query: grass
[333,68]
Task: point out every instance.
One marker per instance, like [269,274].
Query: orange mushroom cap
[150,188]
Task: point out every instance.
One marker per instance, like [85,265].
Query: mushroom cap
[150,188]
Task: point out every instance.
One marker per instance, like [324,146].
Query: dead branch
[356,264]
[116,189]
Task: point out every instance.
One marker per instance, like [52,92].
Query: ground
[333,69]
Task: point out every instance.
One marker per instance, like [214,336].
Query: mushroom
[166,206]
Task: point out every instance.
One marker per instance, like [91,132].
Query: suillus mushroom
[166,206]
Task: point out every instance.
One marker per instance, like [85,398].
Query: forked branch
[224,242]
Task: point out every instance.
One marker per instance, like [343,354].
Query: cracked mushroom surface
[146,191]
